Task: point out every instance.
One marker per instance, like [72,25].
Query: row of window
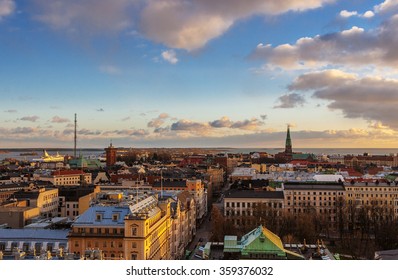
[253,204]
[99,230]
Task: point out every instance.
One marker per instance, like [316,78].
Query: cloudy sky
[208,73]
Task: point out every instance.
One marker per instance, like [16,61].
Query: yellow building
[46,199]
[138,231]
[381,196]
[66,177]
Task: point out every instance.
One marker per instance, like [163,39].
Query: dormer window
[98,217]
[115,217]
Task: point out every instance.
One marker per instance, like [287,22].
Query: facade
[66,177]
[382,197]
[74,201]
[240,205]
[110,155]
[378,160]
[17,216]
[194,187]
[140,231]
[216,177]
[148,231]
[313,197]
[183,223]
[33,242]
[46,199]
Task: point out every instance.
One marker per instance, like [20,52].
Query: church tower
[288,145]
[110,155]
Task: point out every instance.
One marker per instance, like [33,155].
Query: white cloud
[7,8]
[189,24]
[386,6]
[170,56]
[183,24]
[57,119]
[354,47]
[347,14]
[368,14]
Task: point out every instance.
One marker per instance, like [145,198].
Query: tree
[217,225]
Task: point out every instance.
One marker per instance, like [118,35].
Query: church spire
[288,145]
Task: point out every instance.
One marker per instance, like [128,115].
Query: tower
[74,150]
[288,145]
[110,155]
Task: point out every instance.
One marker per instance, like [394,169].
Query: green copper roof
[259,241]
[304,156]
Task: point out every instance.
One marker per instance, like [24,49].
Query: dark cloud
[370,98]
[290,100]
[30,118]
[159,121]
[187,125]
[223,122]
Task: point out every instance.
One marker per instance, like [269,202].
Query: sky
[199,73]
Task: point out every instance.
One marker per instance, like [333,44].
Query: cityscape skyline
[198,73]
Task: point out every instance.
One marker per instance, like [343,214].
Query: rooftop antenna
[74,150]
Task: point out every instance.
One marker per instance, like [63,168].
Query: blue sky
[207,73]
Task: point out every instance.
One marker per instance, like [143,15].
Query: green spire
[288,145]
[288,139]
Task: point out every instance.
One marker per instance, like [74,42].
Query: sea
[20,154]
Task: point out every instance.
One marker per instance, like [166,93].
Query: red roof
[68,172]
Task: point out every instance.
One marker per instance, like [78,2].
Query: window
[133,256]
[115,217]
[134,231]
[98,217]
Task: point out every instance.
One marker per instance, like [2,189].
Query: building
[366,159]
[259,244]
[194,187]
[45,199]
[378,197]
[73,177]
[319,198]
[33,242]
[110,155]
[287,154]
[240,206]
[183,223]
[18,215]
[139,231]
[85,163]
[75,200]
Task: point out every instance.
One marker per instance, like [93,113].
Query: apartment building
[241,204]
[134,231]
[65,177]
[374,195]
[319,198]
